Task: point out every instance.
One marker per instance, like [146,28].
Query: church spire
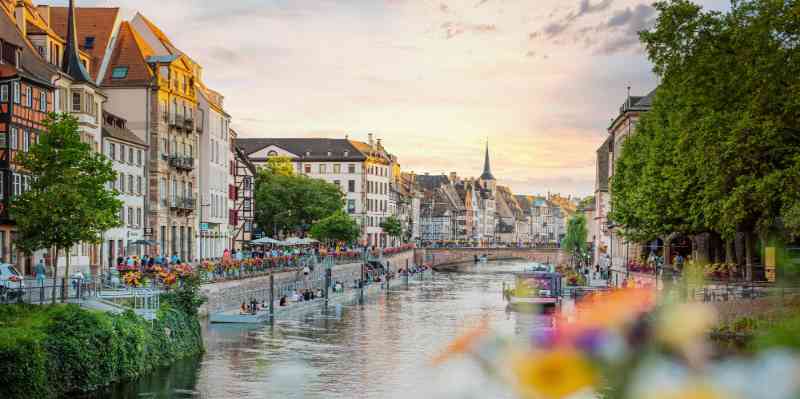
[71,63]
[487,171]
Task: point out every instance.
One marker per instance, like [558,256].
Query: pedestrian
[40,272]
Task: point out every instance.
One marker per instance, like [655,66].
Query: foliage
[51,351]
[281,166]
[186,296]
[292,202]
[574,241]
[68,201]
[337,227]
[718,151]
[392,226]
[586,202]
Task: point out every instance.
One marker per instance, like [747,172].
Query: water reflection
[376,350]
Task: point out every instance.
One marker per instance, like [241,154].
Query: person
[129,262]
[40,272]
[679,261]
[243,309]
[175,259]
[283,301]
[239,256]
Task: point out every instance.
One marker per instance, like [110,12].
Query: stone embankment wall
[450,256]
[217,292]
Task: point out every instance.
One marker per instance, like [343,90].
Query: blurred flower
[553,374]
[465,343]
[683,327]
[771,375]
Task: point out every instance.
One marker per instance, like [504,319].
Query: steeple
[71,63]
[487,171]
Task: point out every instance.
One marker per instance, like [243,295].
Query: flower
[463,344]
[553,374]
[693,320]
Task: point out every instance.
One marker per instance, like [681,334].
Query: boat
[481,258]
[535,290]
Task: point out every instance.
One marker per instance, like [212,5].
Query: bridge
[437,257]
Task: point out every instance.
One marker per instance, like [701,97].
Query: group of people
[252,307]
[147,261]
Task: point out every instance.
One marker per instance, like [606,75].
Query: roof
[431,182]
[71,62]
[317,148]
[602,165]
[122,134]
[32,65]
[487,171]
[130,51]
[96,22]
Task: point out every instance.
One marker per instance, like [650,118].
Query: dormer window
[17,58]
[308,153]
[272,153]
[120,72]
[329,153]
[88,42]
[347,153]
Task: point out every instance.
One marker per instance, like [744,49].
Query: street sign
[148,231]
[204,226]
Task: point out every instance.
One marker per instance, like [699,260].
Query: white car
[10,277]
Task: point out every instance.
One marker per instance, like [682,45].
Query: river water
[379,349]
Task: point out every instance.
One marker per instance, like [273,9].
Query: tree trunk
[65,291]
[55,274]
[748,257]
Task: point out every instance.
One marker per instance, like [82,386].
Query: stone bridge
[448,256]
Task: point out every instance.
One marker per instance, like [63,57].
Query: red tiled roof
[130,51]
[90,21]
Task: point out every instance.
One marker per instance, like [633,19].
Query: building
[437,217]
[486,189]
[26,96]
[622,126]
[151,84]
[243,209]
[216,179]
[602,201]
[127,153]
[362,171]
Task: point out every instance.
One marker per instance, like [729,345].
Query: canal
[379,349]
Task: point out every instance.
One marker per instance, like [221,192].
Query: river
[379,349]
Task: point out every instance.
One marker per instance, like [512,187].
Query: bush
[49,351]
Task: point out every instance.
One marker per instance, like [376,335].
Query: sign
[148,231]
[204,226]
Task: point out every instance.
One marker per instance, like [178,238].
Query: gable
[272,150]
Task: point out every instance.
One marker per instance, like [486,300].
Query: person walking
[40,272]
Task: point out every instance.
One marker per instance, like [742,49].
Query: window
[16,189]
[139,185]
[121,182]
[13,138]
[130,216]
[271,153]
[322,168]
[88,42]
[351,186]
[337,183]
[122,215]
[162,190]
[26,140]
[76,102]
[4,93]
[42,101]
[89,104]
[351,168]
[15,87]
[130,183]
[130,155]
[138,216]
[174,192]
[164,146]
[28,96]
[139,157]
[120,72]
[351,206]
[307,168]
[112,150]
[337,168]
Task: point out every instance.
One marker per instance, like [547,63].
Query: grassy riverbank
[49,351]
[758,324]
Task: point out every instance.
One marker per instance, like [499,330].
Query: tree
[718,151]
[68,201]
[291,202]
[392,226]
[338,227]
[574,242]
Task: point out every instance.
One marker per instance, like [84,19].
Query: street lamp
[200,230]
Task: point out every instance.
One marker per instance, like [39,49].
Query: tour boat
[535,290]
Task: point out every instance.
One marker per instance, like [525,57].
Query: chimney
[371,141]
[44,11]
[347,136]
[379,142]
[19,17]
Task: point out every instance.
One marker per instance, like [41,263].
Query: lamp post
[200,230]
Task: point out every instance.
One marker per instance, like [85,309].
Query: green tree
[574,242]
[392,226]
[292,202]
[68,201]
[338,227]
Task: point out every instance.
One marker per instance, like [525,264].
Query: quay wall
[216,293]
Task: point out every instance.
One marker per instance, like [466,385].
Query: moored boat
[535,290]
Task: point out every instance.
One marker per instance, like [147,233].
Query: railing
[35,292]
[181,162]
[180,203]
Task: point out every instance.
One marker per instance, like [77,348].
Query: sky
[435,80]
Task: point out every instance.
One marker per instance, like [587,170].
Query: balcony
[182,204]
[176,121]
[181,163]
[188,122]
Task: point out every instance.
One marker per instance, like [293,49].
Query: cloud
[632,19]
[444,8]
[585,7]
[452,29]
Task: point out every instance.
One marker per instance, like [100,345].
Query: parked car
[11,283]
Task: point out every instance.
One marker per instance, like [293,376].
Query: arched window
[272,153]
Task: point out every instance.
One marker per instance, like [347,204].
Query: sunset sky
[434,79]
